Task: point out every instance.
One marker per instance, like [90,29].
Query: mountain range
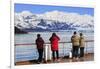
[53,21]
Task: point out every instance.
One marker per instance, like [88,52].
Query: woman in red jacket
[54,45]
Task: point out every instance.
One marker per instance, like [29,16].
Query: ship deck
[87,57]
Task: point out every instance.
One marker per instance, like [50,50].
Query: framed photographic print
[51,34]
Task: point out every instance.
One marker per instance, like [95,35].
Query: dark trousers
[40,51]
[75,51]
[81,51]
[57,54]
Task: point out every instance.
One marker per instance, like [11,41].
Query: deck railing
[49,43]
[28,51]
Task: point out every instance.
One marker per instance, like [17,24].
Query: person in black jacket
[39,43]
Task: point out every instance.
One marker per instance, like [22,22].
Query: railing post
[63,50]
[86,48]
[70,53]
[47,52]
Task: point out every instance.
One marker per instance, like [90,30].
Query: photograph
[49,34]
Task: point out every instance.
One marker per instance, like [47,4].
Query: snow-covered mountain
[54,20]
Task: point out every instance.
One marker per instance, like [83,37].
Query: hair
[53,34]
[81,34]
[38,35]
[75,32]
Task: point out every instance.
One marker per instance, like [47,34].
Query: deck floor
[87,57]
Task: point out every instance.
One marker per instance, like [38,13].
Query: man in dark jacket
[40,42]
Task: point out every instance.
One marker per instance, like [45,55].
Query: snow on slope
[27,19]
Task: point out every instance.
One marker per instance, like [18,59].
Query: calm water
[29,52]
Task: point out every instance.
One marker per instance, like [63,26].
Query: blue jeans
[40,52]
[81,51]
[75,51]
[55,53]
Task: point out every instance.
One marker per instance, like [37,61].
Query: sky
[40,9]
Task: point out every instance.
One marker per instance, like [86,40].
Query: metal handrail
[49,43]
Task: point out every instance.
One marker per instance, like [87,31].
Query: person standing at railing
[39,43]
[82,44]
[54,39]
[75,45]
